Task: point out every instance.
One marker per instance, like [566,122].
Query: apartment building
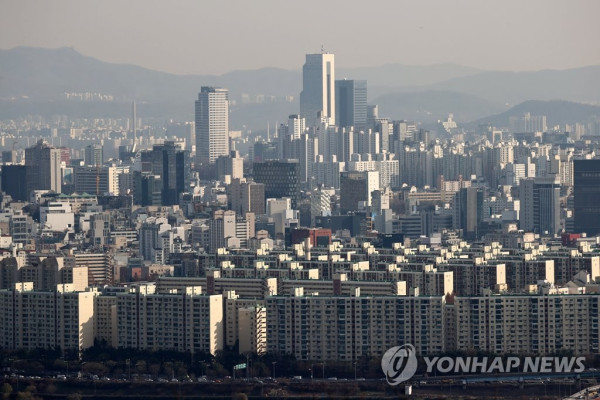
[233,303]
[51,319]
[252,329]
[525,324]
[251,288]
[180,320]
[346,328]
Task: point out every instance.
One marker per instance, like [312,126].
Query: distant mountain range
[556,111]
[433,105]
[34,80]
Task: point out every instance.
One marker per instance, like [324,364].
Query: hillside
[35,80]
[579,85]
[430,106]
[557,112]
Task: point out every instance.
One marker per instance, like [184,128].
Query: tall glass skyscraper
[586,193]
[280,179]
[212,124]
[318,88]
[351,103]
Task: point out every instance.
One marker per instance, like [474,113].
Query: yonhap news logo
[399,364]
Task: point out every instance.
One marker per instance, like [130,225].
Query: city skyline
[465,32]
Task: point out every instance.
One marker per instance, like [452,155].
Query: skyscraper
[318,88]
[280,179]
[172,165]
[94,155]
[288,133]
[351,103]
[43,168]
[540,205]
[14,181]
[356,187]
[212,124]
[586,193]
[468,211]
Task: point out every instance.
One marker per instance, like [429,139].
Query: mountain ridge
[41,76]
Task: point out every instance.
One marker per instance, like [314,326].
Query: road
[590,393]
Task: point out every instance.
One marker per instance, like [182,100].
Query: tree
[26,396]
[50,389]
[60,365]
[6,390]
[154,369]
[167,367]
[140,367]
[94,368]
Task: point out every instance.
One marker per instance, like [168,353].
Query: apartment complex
[348,327]
[46,319]
[180,320]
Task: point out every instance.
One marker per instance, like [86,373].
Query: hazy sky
[216,36]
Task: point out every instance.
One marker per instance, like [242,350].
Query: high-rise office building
[96,180]
[540,205]
[232,165]
[14,181]
[94,155]
[43,167]
[586,193]
[468,211]
[212,124]
[147,189]
[356,187]
[351,103]
[172,165]
[280,179]
[247,197]
[289,133]
[318,88]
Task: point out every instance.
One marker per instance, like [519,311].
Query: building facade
[586,192]
[318,88]
[212,124]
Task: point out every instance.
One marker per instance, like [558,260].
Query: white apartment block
[252,329]
[55,319]
[344,287]
[179,320]
[250,288]
[233,303]
[106,320]
[526,324]
[345,328]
